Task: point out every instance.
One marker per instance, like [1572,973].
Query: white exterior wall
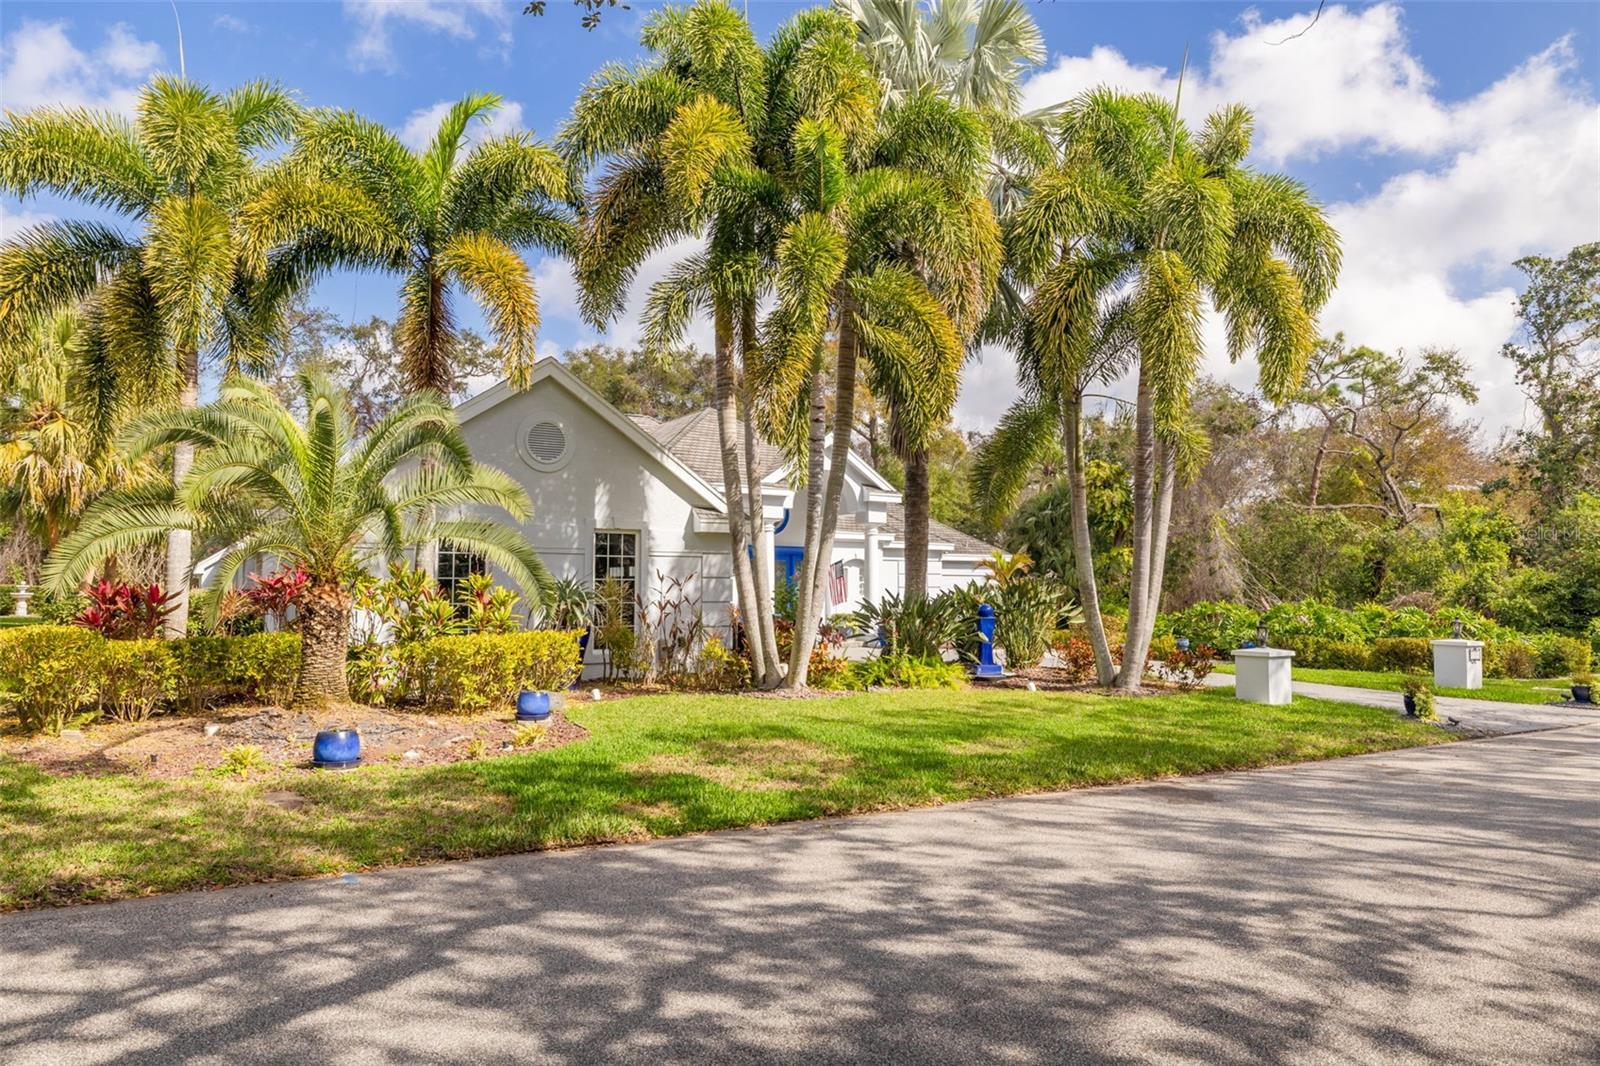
[606,481]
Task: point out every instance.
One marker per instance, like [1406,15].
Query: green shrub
[259,666]
[906,671]
[1401,653]
[718,669]
[1421,692]
[1508,658]
[136,677]
[477,671]
[1594,637]
[1220,624]
[1560,656]
[52,674]
[1027,611]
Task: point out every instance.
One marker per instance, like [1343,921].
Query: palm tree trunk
[1082,545]
[766,632]
[1132,671]
[819,538]
[732,491]
[918,506]
[180,545]
[1158,543]
[816,441]
[324,613]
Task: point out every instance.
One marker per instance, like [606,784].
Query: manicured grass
[1502,689]
[653,766]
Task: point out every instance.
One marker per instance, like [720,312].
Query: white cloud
[1512,170]
[233,24]
[420,126]
[463,20]
[13,220]
[558,298]
[39,66]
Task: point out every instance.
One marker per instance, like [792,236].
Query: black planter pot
[1582,694]
[1411,704]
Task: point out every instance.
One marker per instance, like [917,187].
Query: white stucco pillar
[1458,663]
[766,557]
[872,568]
[1262,675]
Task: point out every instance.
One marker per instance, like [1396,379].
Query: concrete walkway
[1438,905]
[1490,716]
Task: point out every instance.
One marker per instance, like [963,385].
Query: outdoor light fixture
[1455,629]
[1261,632]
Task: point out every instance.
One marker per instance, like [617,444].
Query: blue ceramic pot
[336,749]
[533,706]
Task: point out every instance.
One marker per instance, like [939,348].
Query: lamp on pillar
[1261,632]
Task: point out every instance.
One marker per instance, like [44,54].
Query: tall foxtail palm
[1132,230]
[311,494]
[696,142]
[893,261]
[971,53]
[179,288]
[444,218]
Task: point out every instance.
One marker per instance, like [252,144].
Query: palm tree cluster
[860,207]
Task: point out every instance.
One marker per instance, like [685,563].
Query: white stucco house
[641,499]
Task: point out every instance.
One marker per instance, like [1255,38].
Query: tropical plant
[1123,239]
[125,612]
[1005,568]
[53,458]
[567,606]
[1028,610]
[312,495]
[184,286]
[918,628]
[444,217]
[971,53]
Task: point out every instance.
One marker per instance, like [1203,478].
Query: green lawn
[1503,689]
[653,766]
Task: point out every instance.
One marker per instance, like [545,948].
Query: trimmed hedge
[260,666]
[476,671]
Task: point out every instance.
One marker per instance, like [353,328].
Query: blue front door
[788,562]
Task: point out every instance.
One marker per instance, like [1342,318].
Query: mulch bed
[173,745]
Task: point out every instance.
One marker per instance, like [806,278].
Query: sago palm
[445,218]
[310,493]
[179,286]
[1131,232]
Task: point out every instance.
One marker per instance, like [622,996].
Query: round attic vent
[547,442]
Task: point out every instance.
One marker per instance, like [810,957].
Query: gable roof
[701,492]
[691,447]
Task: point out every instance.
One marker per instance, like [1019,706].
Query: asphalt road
[1439,905]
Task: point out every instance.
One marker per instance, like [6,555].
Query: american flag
[838,584]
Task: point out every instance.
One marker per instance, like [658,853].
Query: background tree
[636,382]
[183,171]
[310,493]
[1558,363]
[1381,409]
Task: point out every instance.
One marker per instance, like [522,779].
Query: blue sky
[1446,138]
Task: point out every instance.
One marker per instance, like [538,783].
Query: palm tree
[313,495]
[970,53]
[442,218]
[1125,237]
[182,171]
[698,141]
[895,261]
[52,460]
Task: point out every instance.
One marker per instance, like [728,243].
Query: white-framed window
[616,555]
[454,565]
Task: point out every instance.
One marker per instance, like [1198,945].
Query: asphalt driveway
[1437,905]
